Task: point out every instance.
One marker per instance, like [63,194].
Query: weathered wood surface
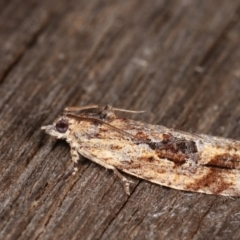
[180,60]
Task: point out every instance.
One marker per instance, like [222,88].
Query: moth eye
[62,126]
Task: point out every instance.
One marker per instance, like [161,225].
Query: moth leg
[79,109]
[125,182]
[107,108]
[107,113]
[75,157]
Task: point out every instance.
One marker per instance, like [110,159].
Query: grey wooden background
[179,60]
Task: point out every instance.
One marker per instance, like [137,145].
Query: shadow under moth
[172,158]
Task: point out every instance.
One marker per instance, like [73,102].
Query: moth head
[59,129]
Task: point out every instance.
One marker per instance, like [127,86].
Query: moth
[165,156]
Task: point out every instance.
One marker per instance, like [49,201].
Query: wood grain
[179,60]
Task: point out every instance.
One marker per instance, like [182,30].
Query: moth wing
[112,149]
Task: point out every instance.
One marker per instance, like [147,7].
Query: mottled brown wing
[175,159]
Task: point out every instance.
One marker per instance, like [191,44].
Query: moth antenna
[102,122]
